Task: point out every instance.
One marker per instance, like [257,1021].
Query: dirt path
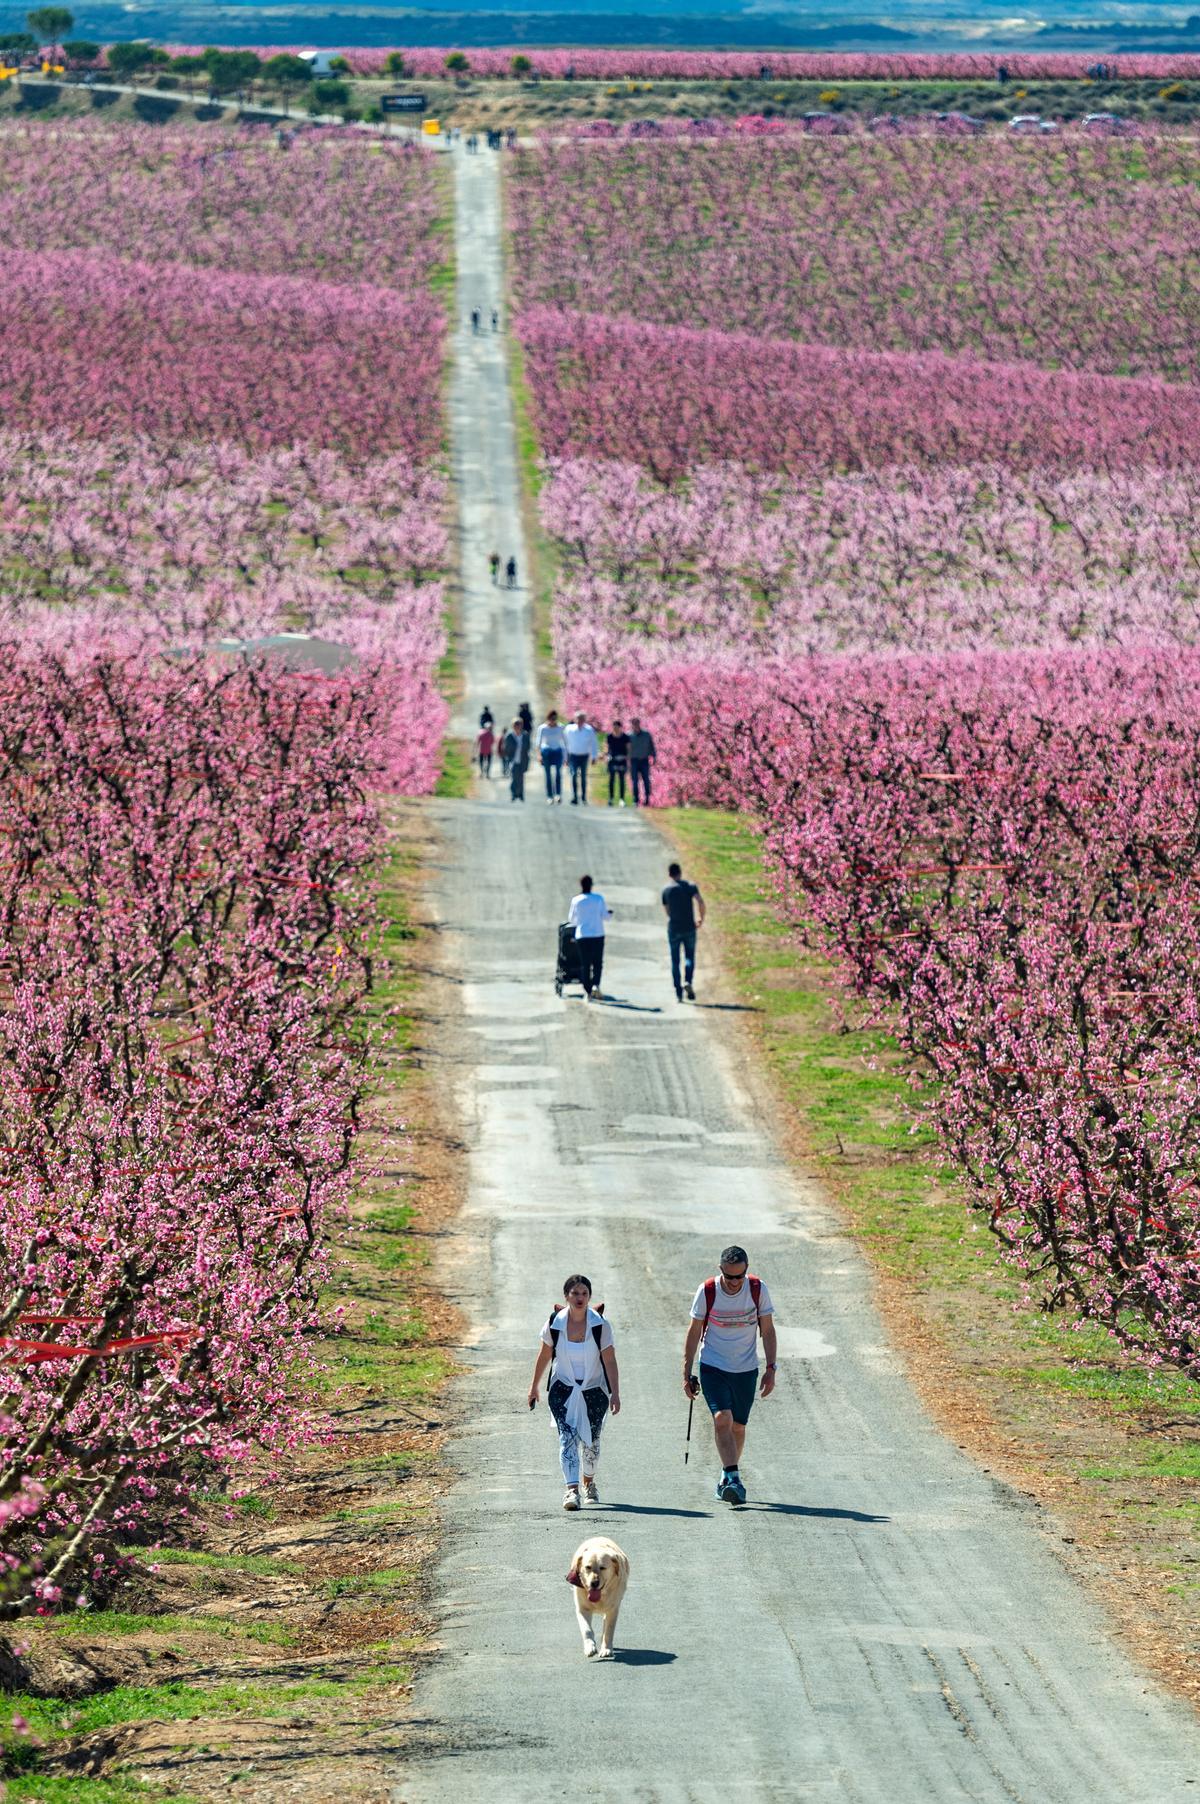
[883,1621]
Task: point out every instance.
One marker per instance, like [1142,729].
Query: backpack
[597,1331]
[710,1297]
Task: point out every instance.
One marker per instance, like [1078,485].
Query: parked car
[826,122]
[1026,122]
[959,122]
[1106,122]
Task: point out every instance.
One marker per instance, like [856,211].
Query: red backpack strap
[755,1291]
[710,1298]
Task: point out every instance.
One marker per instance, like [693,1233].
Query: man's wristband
[770,1366]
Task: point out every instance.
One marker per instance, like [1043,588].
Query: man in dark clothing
[681,900]
[516,753]
[641,752]
[618,761]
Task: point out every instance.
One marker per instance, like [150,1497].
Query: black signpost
[402,103]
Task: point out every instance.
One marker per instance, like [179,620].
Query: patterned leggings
[570,1447]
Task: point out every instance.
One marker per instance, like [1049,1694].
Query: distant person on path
[485,745]
[680,901]
[552,745]
[495,320]
[486,717]
[510,573]
[587,914]
[474,319]
[728,1314]
[494,565]
[526,713]
[584,1384]
[642,753]
[617,749]
[582,748]
[516,754]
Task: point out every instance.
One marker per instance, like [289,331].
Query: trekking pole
[687,1445]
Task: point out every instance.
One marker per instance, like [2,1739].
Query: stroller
[567,969]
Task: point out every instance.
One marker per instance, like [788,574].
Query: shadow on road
[805,1509]
[642,1656]
[733,1008]
[635,1008]
[648,1509]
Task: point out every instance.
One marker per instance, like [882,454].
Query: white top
[731,1340]
[589,913]
[581,740]
[551,739]
[564,1364]
[578,1364]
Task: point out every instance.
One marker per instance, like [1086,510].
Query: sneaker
[720,1491]
[571,1497]
[679,995]
[590,1493]
[620,804]
[689,992]
[735,1490]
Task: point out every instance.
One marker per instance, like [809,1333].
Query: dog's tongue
[594,1595]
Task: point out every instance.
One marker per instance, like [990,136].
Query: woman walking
[583,1384]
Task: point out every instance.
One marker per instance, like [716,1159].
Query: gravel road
[883,1622]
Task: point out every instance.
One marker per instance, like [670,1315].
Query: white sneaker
[571,1497]
[590,1493]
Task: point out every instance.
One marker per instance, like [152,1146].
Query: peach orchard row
[221,421]
[928,616]
[618,63]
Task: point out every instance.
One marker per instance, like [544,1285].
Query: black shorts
[733,1391]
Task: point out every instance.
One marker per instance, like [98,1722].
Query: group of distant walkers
[574,745]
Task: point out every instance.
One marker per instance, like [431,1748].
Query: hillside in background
[932,25]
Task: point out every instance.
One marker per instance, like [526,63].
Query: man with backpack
[728,1314]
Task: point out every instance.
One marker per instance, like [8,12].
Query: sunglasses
[726,1273]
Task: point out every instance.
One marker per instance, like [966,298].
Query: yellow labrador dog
[599,1572]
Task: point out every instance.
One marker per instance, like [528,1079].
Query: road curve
[884,1623]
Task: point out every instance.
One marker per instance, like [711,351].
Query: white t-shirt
[551,739]
[731,1343]
[589,913]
